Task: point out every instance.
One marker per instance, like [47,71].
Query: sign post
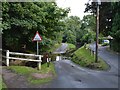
[38,38]
[37,48]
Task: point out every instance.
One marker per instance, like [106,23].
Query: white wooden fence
[23,54]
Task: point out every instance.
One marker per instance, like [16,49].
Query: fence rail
[22,54]
[15,53]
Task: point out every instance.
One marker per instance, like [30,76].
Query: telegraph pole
[97,31]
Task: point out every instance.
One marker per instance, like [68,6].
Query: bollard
[47,62]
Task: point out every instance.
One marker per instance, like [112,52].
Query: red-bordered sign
[37,37]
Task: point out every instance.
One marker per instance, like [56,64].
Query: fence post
[7,57]
[39,63]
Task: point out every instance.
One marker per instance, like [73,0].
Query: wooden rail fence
[23,54]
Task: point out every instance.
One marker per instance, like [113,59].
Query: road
[110,57]
[70,75]
[62,48]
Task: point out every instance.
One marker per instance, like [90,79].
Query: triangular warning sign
[37,37]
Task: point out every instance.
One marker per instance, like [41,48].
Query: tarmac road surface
[70,75]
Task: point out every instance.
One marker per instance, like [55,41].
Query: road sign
[37,37]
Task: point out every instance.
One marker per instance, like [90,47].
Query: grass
[52,49]
[0,79]
[84,58]
[2,84]
[22,70]
[71,46]
[70,49]
[27,71]
[39,81]
[44,70]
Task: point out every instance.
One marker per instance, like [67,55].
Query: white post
[39,63]
[47,60]
[7,57]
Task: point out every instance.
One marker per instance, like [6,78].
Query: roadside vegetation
[84,58]
[70,49]
[54,47]
[32,73]
[2,84]
[71,46]
[20,21]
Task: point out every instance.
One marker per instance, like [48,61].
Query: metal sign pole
[37,49]
[39,63]
[38,38]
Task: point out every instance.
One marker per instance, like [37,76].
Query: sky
[77,6]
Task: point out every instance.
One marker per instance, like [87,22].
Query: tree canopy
[21,20]
[109,18]
[79,31]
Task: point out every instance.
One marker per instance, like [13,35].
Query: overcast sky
[77,6]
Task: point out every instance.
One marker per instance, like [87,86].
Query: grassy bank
[70,49]
[28,71]
[53,48]
[71,46]
[84,58]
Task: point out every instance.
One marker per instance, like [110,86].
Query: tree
[79,31]
[21,20]
[72,29]
[116,27]
[106,15]
[109,20]
[88,27]
[115,31]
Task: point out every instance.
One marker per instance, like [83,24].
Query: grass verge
[2,84]
[84,58]
[28,71]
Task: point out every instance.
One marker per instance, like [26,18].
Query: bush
[115,45]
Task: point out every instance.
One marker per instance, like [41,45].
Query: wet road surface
[62,48]
[111,58]
[70,75]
